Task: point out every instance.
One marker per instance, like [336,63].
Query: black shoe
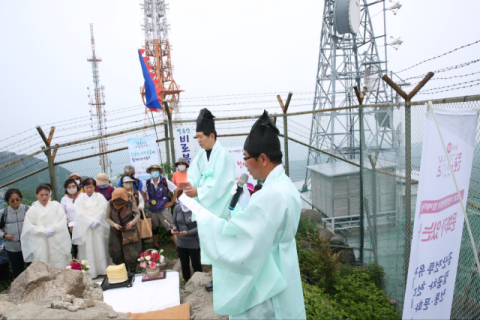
[209,286]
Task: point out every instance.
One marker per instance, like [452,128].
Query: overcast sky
[219,47]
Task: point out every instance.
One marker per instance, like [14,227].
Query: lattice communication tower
[349,56]
[97,101]
[157,47]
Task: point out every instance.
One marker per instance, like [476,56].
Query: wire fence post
[167,147]
[408,161]
[360,97]
[50,158]
[373,162]
[285,129]
[170,126]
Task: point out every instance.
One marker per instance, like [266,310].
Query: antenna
[395,44]
[395,7]
[97,100]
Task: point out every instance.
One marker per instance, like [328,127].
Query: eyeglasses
[246,158]
[15,200]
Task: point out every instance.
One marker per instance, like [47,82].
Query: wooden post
[373,162]
[167,147]
[285,129]
[170,125]
[408,160]
[50,158]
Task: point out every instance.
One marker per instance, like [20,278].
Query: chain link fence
[336,178]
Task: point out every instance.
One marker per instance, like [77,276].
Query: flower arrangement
[83,266]
[151,259]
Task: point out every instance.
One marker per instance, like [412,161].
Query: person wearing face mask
[181,174]
[188,243]
[91,229]
[72,191]
[128,184]
[130,171]
[45,235]
[11,225]
[78,180]
[103,187]
[155,195]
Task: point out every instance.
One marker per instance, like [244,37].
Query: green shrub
[320,305]
[360,298]
[306,226]
[317,262]
[376,273]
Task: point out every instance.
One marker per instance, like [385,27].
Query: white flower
[83,271]
[68,267]
[147,258]
[139,259]
[162,258]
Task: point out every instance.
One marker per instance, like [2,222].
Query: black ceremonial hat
[205,121]
[263,137]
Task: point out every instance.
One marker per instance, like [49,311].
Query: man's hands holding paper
[199,211]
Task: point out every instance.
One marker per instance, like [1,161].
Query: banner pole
[156,134]
[475,253]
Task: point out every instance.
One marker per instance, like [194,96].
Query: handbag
[145,226]
[130,236]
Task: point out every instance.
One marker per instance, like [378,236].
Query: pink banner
[435,206]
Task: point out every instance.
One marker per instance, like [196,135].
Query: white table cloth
[145,296]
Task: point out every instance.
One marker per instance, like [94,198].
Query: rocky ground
[44,292]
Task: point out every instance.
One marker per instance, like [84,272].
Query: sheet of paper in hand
[197,209]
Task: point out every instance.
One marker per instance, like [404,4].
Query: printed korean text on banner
[143,152]
[439,217]
[237,155]
[184,143]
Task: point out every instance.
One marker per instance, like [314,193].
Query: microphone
[243,179]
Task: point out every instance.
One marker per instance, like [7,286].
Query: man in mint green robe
[254,256]
[211,173]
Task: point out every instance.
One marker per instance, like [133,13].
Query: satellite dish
[371,79]
[347,16]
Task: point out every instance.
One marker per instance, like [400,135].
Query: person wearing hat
[254,255]
[211,173]
[180,175]
[103,187]
[78,180]
[130,171]
[155,194]
[128,184]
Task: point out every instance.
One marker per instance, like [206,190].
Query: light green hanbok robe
[214,180]
[254,254]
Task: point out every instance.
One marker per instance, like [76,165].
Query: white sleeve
[171,186]
[144,187]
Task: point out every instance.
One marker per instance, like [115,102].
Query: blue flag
[151,97]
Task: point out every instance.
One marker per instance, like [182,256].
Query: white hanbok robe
[92,243]
[54,250]
[254,255]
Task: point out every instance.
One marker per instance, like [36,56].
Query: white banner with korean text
[142,152]
[237,155]
[437,232]
[184,143]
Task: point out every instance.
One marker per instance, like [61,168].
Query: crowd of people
[251,248]
[91,221]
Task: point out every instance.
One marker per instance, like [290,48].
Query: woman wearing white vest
[91,231]
[45,235]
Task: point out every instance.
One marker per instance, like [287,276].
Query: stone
[42,282]
[68,298]
[92,290]
[60,305]
[112,315]
[89,303]
[201,301]
[313,215]
[79,303]
[42,310]
[72,308]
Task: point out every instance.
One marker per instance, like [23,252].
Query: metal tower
[97,100]
[350,57]
[157,47]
